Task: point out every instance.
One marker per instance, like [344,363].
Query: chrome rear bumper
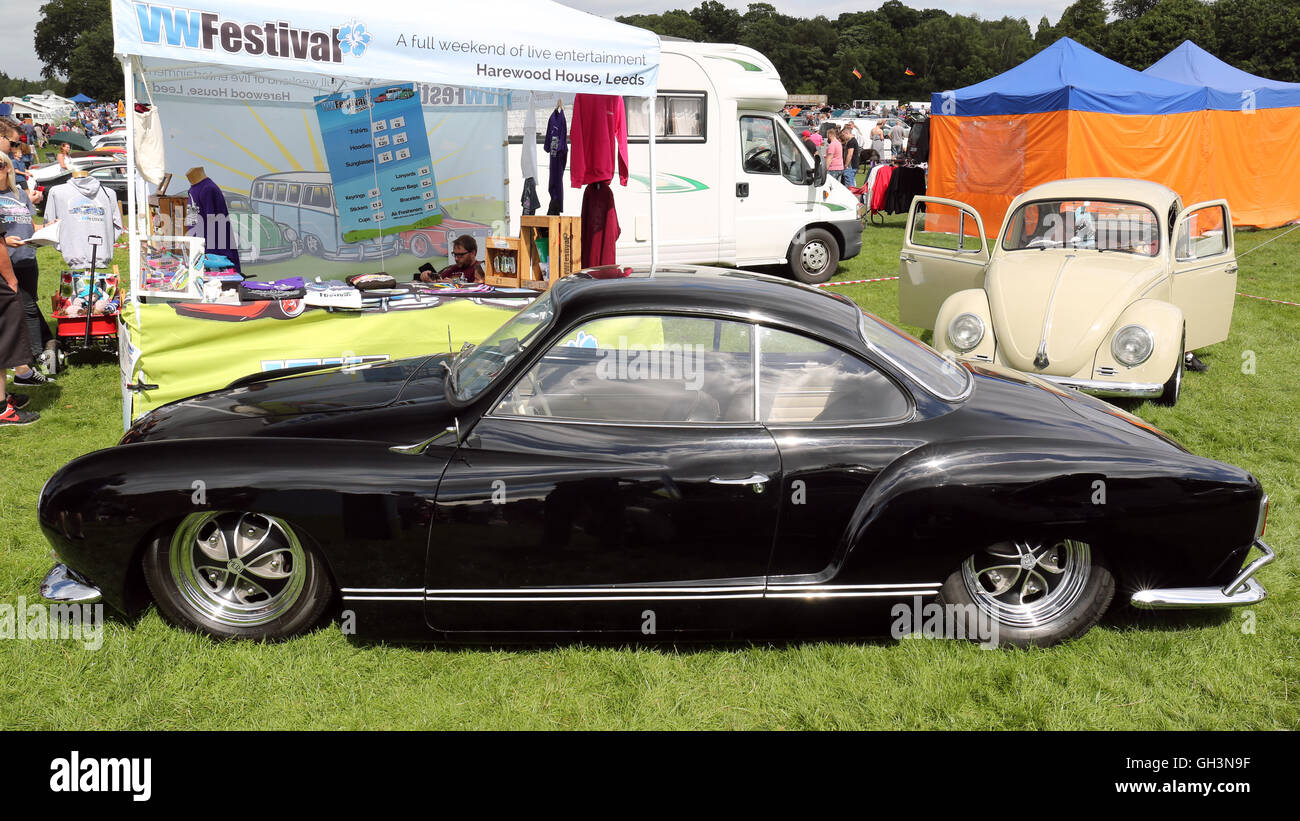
[1241,590]
[1100,387]
[63,584]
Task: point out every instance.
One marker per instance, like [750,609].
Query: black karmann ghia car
[688,452]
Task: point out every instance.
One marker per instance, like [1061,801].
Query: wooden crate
[166,215]
[503,252]
[563,246]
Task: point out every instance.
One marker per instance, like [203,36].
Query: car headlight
[290,235]
[1132,345]
[965,331]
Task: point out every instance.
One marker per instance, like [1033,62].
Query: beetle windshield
[473,370]
[1104,225]
[935,372]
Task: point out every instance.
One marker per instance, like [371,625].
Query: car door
[1204,271]
[838,421]
[773,196]
[622,484]
[944,251]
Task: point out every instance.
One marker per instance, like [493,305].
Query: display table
[171,350]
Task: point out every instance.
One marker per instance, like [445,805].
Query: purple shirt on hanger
[213,223]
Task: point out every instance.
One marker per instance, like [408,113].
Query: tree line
[948,51]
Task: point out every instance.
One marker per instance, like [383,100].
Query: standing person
[14,349]
[834,153]
[806,136]
[897,138]
[878,142]
[851,152]
[64,158]
[16,224]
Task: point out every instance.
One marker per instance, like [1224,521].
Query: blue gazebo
[81,98]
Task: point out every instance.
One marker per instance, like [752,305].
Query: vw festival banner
[516,44]
[322,178]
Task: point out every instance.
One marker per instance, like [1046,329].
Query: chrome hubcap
[237,569]
[1027,583]
[814,257]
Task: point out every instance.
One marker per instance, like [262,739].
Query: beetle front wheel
[237,575]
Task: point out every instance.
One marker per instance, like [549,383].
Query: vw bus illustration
[302,203]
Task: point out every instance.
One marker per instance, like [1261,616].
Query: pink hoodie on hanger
[598,122]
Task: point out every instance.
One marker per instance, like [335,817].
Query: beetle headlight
[965,331]
[1132,345]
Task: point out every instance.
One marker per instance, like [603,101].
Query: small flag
[909,72]
[857,74]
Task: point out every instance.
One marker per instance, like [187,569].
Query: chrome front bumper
[1100,387]
[63,584]
[1241,590]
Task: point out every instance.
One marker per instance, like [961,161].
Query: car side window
[803,381]
[647,369]
[758,145]
[1202,234]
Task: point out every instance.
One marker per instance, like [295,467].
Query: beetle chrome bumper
[1098,387]
[63,584]
[1241,590]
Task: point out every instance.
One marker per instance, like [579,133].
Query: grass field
[1196,672]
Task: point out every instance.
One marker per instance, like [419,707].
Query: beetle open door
[1204,271]
[944,252]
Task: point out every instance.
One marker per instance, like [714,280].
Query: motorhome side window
[758,153]
[678,117]
[793,166]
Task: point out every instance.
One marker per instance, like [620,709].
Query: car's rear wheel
[421,247]
[813,256]
[1175,384]
[234,574]
[1034,592]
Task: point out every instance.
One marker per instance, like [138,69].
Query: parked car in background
[258,238]
[740,454]
[1097,284]
[110,171]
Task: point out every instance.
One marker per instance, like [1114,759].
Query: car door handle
[907,258]
[1231,269]
[752,479]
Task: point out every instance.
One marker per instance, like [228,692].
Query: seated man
[464,250]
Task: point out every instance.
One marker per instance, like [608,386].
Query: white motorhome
[735,186]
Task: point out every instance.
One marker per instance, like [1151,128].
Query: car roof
[1105,188]
[742,295]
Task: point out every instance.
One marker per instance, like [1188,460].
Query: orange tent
[1069,112]
[1254,123]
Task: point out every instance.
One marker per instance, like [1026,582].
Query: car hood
[372,401]
[1075,296]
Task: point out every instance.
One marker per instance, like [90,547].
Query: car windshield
[938,374]
[1103,225]
[474,369]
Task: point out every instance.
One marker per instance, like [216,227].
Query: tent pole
[654,222]
[132,226]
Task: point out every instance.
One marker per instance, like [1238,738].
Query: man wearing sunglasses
[464,250]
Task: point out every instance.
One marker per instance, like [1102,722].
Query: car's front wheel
[1174,387]
[236,574]
[1033,592]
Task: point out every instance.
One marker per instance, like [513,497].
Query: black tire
[1174,386]
[313,246]
[285,596]
[813,256]
[1083,591]
[421,247]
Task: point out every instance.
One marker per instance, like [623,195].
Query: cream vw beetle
[1098,284]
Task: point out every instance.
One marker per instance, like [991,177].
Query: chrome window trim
[877,350]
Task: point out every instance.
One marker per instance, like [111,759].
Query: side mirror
[817,174]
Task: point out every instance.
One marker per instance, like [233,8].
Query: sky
[18,57]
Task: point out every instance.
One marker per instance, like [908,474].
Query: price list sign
[378,154]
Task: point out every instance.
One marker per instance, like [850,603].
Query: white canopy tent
[509,44]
